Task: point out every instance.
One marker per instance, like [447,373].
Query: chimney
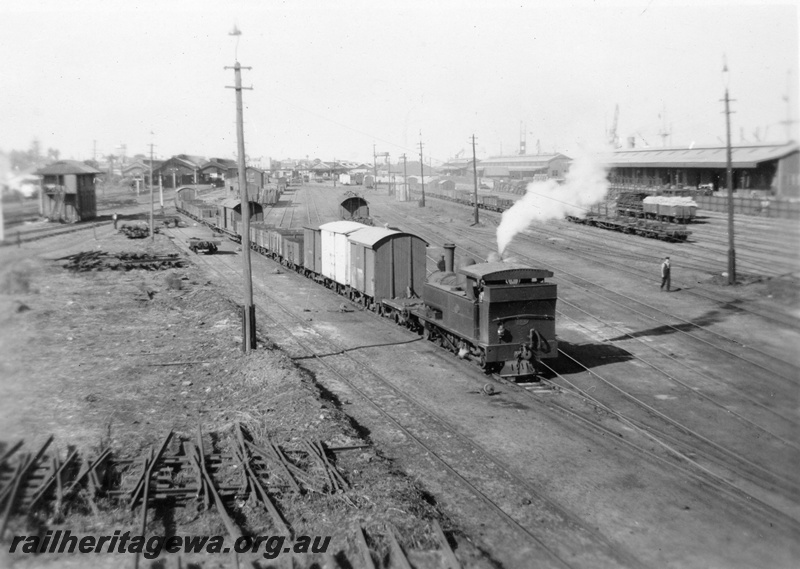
[449,257]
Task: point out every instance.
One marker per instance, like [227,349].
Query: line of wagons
[641,214]
[633,216]
[499,315]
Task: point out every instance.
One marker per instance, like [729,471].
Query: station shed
[386,263]
[68,191]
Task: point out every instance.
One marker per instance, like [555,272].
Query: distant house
[68,191]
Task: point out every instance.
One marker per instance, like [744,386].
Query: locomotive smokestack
[449,257]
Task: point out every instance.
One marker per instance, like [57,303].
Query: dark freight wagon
[312,250]
[229,215]
[385,263]
[354,208]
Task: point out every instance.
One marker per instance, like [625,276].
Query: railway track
[725,458]
[548,531]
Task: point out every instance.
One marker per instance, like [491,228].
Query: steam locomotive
[499,315]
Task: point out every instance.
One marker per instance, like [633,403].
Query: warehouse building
[767,169]
[525,166]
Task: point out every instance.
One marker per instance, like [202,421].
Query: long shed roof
[707,157]
[522,160]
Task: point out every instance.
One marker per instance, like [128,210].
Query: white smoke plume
[585,185]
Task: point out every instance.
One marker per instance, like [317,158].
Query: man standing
[665,274]
[114,217]
[441,265]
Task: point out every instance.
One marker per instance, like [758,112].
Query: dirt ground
[118,358]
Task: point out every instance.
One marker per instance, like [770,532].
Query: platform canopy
[501,272]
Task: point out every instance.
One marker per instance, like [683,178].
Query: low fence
[750,206]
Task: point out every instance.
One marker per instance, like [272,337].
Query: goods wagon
[353,208]
[335,250]
[385,263]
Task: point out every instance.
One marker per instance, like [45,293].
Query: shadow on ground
[711,317]
[577,357]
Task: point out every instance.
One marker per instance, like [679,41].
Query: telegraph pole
[374,167]
[475,177]
[421,175]
[405,178]
[731,249]
[249,312]
[152,227]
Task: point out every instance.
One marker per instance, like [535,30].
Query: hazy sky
[332,78]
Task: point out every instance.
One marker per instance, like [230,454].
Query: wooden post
[475,176]
[249,315]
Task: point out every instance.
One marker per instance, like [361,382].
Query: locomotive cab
[516,307]
[501,313]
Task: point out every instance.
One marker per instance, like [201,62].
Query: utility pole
[249,312]
[374,167]
[421,175]
[475,177]
[731,249]
[152,233]
[405,178]
[334,173]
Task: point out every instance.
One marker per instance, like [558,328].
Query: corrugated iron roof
[230,203]
[707,157]
[63,167]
